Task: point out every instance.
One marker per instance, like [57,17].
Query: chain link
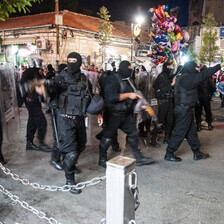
[134,190]
[28,207]
[132,222]
[65,188]
[103,221]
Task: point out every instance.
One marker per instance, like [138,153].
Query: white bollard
[119,199]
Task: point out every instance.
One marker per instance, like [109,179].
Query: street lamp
[140,19]
[136,30]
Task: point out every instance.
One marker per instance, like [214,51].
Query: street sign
[221,32]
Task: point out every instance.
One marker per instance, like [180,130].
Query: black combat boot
[200,155]
[104,145]
[70,180]
[140,160]
[56,160]
[43,147]
[171,157]
[31,146]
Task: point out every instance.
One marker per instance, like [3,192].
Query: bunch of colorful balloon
[168,39]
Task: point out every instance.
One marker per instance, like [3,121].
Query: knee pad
[69,161]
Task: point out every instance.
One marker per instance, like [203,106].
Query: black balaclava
[190,67]
[74,68]
[124,70]
[50,68]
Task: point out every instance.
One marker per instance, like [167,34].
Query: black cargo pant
[72,140]
[184,128]
[125,122]
[36,121]
[206,103]
[165,117]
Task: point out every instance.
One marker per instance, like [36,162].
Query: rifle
[143,102]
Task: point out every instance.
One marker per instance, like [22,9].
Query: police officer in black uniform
[111,70]
[36,119]
[164,94]
[120,100]
[73,91]
[185,92]
[205,91]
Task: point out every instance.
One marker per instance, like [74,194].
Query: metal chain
[134,190]
[103,221]
[25,205]
[132,222]
[64,188]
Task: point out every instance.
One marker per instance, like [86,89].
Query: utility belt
[73,117]
[120,114]
[164,100]
[188,107]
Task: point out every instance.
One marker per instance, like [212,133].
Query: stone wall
[82,42]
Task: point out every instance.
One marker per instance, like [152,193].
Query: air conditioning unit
[42,44]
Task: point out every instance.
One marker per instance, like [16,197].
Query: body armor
[76,98]
[125,105]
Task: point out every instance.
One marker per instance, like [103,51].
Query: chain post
[120,207]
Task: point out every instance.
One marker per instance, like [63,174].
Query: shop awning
[24,40]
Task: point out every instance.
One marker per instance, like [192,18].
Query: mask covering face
[124,69]
[74,61]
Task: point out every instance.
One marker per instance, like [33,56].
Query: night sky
[124,10]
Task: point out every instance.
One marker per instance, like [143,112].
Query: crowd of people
[181,94]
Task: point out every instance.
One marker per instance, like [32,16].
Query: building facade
[21,36]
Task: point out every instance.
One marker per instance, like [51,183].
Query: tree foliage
[191,53]
[209,49]
[105,29]
[8,7]
[49,6]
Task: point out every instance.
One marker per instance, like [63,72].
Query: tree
[105,30]
[209,49]
[191,53]
[49,6]
[8,7]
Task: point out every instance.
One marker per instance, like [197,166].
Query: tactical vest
[75,100]
[186,97]
[127,104]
